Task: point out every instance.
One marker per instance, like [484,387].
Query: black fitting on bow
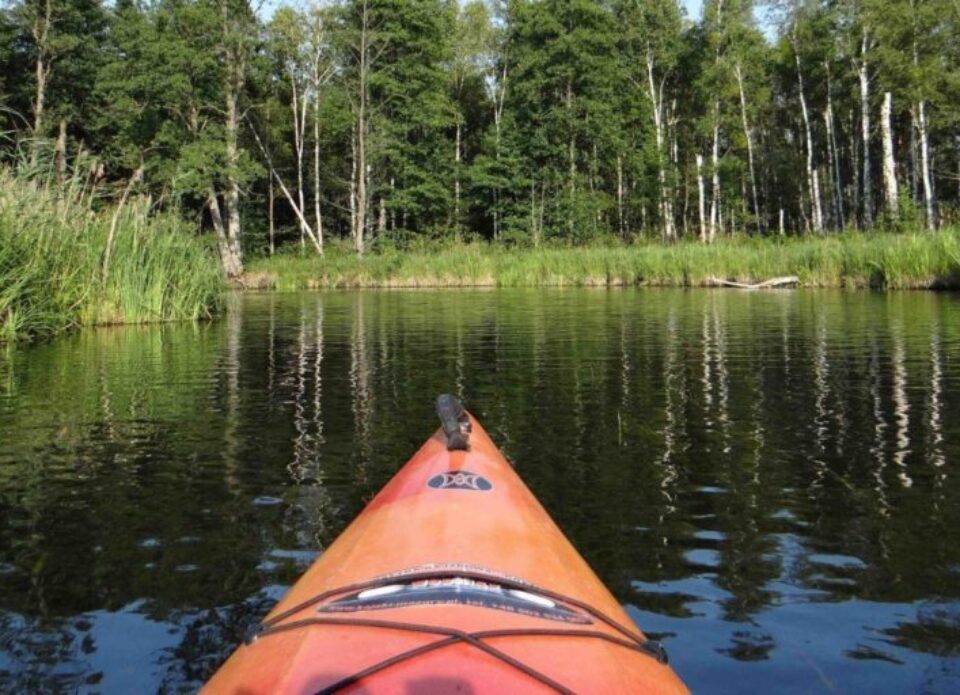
[454,421]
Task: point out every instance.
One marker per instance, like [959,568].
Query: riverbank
[53,269]
[879,260]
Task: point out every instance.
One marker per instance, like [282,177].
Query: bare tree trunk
[40,30]
[891,194]
[317,215]
[855,163]
[836,192]
[227,259]
[813,180]
[914,156]
[837,184]
[270,222]
[701,199]
[571,155]
[60,152]
[321,74]
[864,76]
[956,145]
[715,174]
[298,105]
[360,229]
[298,211]
[499,97]
[456,182]
[620,226]
[533,212]
[665,197]
[233,51]
[354,219]
[231,197]
[749,136]
[929,203]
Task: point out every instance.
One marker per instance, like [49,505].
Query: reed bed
[880,260]
[52,243]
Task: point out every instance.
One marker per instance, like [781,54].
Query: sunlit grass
[52,241]
[880,260]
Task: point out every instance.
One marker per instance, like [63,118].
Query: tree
[650,49]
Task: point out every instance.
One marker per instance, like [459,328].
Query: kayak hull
[454,546]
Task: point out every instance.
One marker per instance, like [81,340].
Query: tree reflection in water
[765,480]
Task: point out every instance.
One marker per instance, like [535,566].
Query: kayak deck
[453,579]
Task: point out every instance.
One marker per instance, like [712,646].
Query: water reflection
[763,479]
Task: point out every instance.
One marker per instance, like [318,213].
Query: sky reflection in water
[767,481]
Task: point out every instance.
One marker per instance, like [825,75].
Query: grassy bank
[892,261]
[52,244]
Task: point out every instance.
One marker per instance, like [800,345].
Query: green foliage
[52,240]
[892,261]
[524,122]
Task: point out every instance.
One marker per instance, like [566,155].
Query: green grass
[881,260]
[52,240]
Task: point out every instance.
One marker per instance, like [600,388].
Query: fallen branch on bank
[785,281]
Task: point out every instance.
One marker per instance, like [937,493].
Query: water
[769,482]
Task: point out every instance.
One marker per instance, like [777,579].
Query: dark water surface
[769,482]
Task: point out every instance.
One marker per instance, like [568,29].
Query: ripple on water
[156,433]
[709,535]
[838,561]
[300,557]
[703,557]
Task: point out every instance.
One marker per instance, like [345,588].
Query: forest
[398,123]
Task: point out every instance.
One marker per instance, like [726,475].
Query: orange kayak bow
[452,580]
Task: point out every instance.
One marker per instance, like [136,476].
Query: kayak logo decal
[460,480]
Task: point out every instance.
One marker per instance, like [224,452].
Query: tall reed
[52,240]
[879,260]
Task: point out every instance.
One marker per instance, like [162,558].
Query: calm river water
[769,482]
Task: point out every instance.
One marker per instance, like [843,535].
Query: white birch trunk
[665,197]
[715,175]
[929,203]
[362,131]
[749,136]
[864,77]
[891,194]
[456,181]
[837,183]
[620,226]
[813,181]
[270,221]
[701,199]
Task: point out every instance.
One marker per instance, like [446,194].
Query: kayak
[453,579]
